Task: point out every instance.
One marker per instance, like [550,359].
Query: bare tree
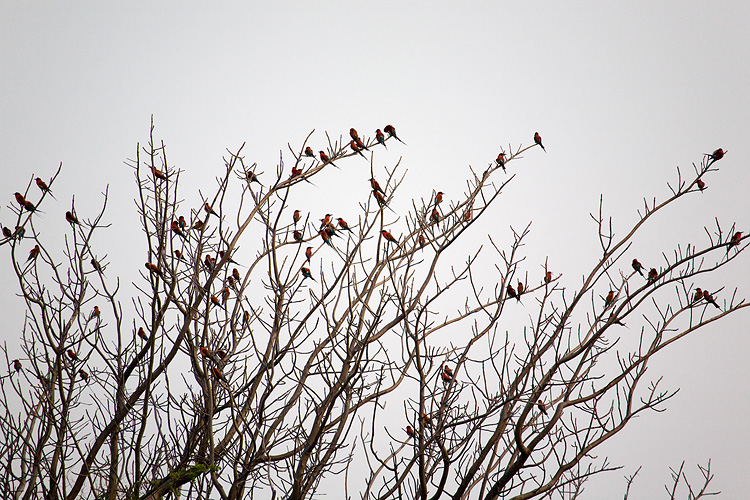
[279,375]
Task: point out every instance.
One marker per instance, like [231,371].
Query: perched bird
[19,198]
[701,184]
[326,237]
[246,317]
[410,431]
[698,295]
[446,378]
[425,420]
[388,236]
[519,288]
[421,241]
[467,215]
[251,177]
[209,262]
[142,333]
[308,254]
[391,131]
[438,198]
[230,281]
[205,352]
[17,365]
[718,154]
[29,206]
[353,134]
[435,215]
[236,274]
[95,313]
[7,232]
[734,241]
[609,298]
[542,407]
[182,222]
[19,232]
[43,186]
[297,235]
[295,172]
[95,264]
[72,219]
[380,137]
[178,254]
[325,159]
[325,221]
[72,355]
[306,273]
[175,226]
[198,226]
[343,224]
[447,369]
[357,149]
[309,152]
[710,299]
[375,186]
[500,160]
[296,217]
[153,268]
[652,275]
[637,267]
[34,253]
[83,374]
[221,354]
[548,277]
[215,300]
[379,198]
[511,292]
[224,295]
[218,373]
[158,174]
[229,259]
[209,210]
[538,140]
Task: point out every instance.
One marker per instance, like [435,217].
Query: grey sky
[622,94]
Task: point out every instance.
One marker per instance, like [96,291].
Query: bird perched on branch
[734,241]
[20,199]
[375,185]
[72,355]
[435,215]
[410,431]
[548,277]
[158,174]
[710,299]
[717,155]
[380,137]
[17,365]
[698,295]
[500,160]
[701,185]
[306,273]
[297,235]
[43,186]
[609,299]
[343,224]
[357,149]
[34,253]
[638,267]
[542,407]
[652,275]
[308,254]
[511,292]
[296,217]
[72,219]
[388,236]
[538,140]
[153,268]
[142,333]
[309,152]
[209,210]
[391,131]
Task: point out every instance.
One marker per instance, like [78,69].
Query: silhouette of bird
[391,131]
[153,268]
[251,177]
[218,373]
[410,431]
[19,198]
[538,140]
[718,154]
[353,134]
[209,210]
[446,378]
[380,137]
[95,264]
[447,369]
[734,241]
[72,219]
[198,226]
[519,289]
[609,298]
[698,295]
[175,226]
[158,174]
[236,274]
[652,275]
[637,267]
[701,184]
[83,374]
[72,355]
[511,292]
[209,262]
[375,186]
[297,235]
[7,232]
[178,254]
[33,253]
[43,186]
[710,299]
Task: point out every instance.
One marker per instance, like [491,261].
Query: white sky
[622,94]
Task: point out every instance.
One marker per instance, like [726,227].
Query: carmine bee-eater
[17,365]
[446,378]
[710,299]
[178,254]
[698,295]
[236,274]
[343,225]
[221,256]
[326,237]
[519,289]
[357,149]
[306,273]
[215,300]
[467,215]
[209,210]
[438,198]
[72,219]
[538,140]
[609,298]
[331,230]
[142,333]
[734,241]
[379,198]
[158,173]
[95,313]
[511,292]
[198,226]
[182,222]
[209,262]
[218,373]
[83,374]
[30,207]
[205,352]
[43,186]
[296,217]
[7,232]
[410,431]
[33,253]
[652,275]
[309,152]
[246,317]
[426,420]
[637,267]
[230,281]
[701,185]
[20,199]
[325,159]
[95,264]
[435,215]
[380,137]
[221,354]
[224,295]
[447,369]
[718,154]
[421,241]
[176,229]
[295,172]
[542,407]
[308,254]
[391,131]
[375,186]
[297,235]
[353,134]
[500,160]
[153,268]
[72,355]
[388,236]
[19,232]
[325,221]
[251,177]
[548,277]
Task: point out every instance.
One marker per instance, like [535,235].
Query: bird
[7,232]
[95,313]
[158,173]
[209,262]
[296,217]
[297,235]
[698,295]
[153,268]
[343,224]
[209,210]
[83,374]
[19,232]
[198,226]
[309,152]
[326,237]
[446,377]
[224,295]
[421,241]
[391,131]
[652,275]
[19,198]
[325,221]
[221,354]
[33,253]
[718,154]
[230,260]
[701,184]
[353,134]
[230,281]
[637,267]
[306,273]
[95,264]
[72,355]
[215,300]
[710,299]
[438,198]
[325,159]
[435,215]
[218,373]
[308,254]
[380,137]
[246,317]
[357,149]
[72,219]
[410,431]
[548,277]
[17,365]
[447,369]
[236,274]
[251,177]
[538,140]
[295,172]
[28,206]
[426,420]
[205,352]
[734,241]
[388,236]
[379,198]
[500,160]
[542,407]
[609,298]
[512,292]
[175,226]
[519,289]
[375,186]
[43,186]
[142,333]
[178,254]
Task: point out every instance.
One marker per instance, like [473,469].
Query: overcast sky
[622,95]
